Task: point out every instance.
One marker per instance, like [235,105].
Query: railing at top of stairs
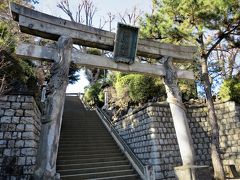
[146,172]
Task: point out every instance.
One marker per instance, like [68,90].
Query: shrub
[93,95]
[230,90]
[138,88]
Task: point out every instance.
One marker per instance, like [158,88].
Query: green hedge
[230,90]
[138,87]
[94,95]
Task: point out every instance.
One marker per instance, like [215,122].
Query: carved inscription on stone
[125,44]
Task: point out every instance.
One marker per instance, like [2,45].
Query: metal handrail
[146,172]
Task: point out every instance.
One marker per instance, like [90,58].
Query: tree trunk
[215,149]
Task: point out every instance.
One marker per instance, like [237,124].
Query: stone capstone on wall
[150,133]
[20,125]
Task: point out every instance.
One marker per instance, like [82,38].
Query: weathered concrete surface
[50,27]
[178,114]
[193,173]
[47,154]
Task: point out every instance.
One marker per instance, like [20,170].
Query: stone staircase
[86,149]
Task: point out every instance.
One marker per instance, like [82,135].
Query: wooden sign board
[125,46]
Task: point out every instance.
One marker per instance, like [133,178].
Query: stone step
[80,144]
[100,129]
[91,165]
[63,157]
[88,134]
[125,177]
[74,152]
[92,160]
[87,150]
[85,136]
[86,141]
[81,117]
[90,124]
[98,175]
[94,170]
[82,148]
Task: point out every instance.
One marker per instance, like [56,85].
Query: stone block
[20,98]
[1,135]
[9,112]
[7,152]
[19,112]
[19,143]
[28,135]
[193,173]
[234,149]
[31,161]
[29,99]
[12,98]
[4,105]
[15,120]
[236,136]
[30,143]
[3,98]
[27,106]
[27,120]
[28,152]
[19,135]
[11,143]
[7,135]
[1,112]
[6,119]
[20,127]
[15,105]
[30,127]
[28,169]
[11,127]
[3,127]
[29,113]
[3,143]
[21,161]
[154,155]
[14,135]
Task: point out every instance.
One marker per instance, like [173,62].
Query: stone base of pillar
[193,173]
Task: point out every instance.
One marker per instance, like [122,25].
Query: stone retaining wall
[20,126]
[149,131]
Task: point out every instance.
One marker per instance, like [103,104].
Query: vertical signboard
[125,46]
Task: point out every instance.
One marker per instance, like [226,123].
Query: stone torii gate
[68,33]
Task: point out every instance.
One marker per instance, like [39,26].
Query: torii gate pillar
[51,124]
[188,171]
[178,113]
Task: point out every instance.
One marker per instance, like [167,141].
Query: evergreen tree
[206,24]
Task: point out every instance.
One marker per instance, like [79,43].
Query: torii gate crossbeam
[50,27]
[89,60]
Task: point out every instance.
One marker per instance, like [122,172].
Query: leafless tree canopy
[84,14]
[131,17]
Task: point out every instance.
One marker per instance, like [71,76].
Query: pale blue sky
[103,7]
